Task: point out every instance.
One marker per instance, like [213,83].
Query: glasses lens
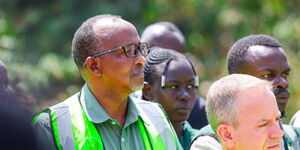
[129,50]
[132,50]
[144,48]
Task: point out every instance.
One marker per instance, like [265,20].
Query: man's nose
[276,131]
[140,59]
[281,82]
[184,94]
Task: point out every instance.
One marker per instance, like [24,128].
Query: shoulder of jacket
[141,102]
[291,135]
[146,105]
[206,130]
[295,117]
[150,109]
[208,142]
[289,130]
[62,104]
[45,114]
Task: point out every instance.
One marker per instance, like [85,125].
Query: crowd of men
[243,110]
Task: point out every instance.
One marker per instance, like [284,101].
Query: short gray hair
[220,106]
[85,41]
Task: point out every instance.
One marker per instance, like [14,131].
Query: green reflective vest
[73,131]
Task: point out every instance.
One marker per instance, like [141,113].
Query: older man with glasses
[110,57]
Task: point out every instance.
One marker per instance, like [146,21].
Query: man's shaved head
[164,35]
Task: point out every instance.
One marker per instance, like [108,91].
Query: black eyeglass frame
[124,49]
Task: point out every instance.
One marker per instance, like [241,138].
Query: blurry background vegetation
[35,38]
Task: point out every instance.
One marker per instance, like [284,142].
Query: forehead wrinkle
[108,31]
[274,116]
[258,53]
[264,51]
[281,69]
[256,98]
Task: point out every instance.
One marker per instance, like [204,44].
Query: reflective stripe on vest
[168,122]
[151,127]
[87,136]
[68,119]
[63,120]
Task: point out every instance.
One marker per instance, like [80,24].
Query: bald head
[112,32]
[164,35]
[99,33]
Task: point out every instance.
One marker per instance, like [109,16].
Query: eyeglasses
[130,50]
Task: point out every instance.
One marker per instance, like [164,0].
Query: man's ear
[147,91]
[225,132]
[94,66]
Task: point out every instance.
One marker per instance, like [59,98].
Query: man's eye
[267,76]
[191,86]
[128,50]
[171,87]
[262,125]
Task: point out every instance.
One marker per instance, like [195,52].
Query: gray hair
[221,103]
[85,41]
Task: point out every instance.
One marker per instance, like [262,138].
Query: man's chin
[137,87]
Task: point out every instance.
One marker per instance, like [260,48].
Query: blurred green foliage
[35,37]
